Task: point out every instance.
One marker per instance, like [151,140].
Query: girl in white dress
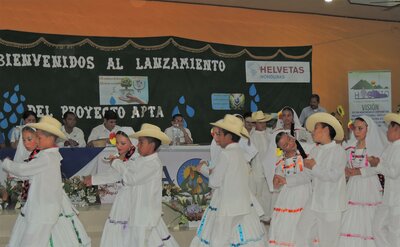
[230,219]
[116,232]
[364,192]
[143,176]
[48,217]
[294,193]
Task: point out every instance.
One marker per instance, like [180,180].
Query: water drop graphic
[252,90]
[13,118]
[175,110]
[257,98]
[190,111]
[14,98]
[7,107]
[16,88]
[253,106]
[182,100]
[5,95]
[112,100]
[22,98]
[20,108]
[1,115]
[4,124]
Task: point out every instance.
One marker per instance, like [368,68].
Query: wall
[339,45]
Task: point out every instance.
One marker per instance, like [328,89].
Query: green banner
[146,79]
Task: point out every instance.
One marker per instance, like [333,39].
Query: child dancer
[115,232]
[47,217]
[294,193]
[230,219]
[364,193]
[386,223]
[144,176]
[260,137]
[325,164]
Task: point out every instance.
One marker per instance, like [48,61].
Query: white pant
[259,188]
[386,227]
[325,227]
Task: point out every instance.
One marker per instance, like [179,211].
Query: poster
[370,94]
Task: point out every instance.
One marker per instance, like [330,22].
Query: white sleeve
[25,169]
[80,139]
[108,177]
[218,173]
[134,175]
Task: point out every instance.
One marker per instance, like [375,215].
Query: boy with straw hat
[260,138]
[144,175]
[47,217]
[325,167]
[386,223]
[230,219]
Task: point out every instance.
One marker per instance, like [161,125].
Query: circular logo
[191,180]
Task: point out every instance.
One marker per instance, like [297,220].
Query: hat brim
[48,128]
[392,117]
[323,117]
[230,128]
[152,133]
[265,119]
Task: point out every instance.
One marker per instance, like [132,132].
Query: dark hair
[157,142]
[393,123]
[287,108]
[332,132]
[176,115]
[68,113]
[29,129]
[26,114]
[279,136]
[315,96]
[361,119]
[110,115]
[235,138]
[119,132]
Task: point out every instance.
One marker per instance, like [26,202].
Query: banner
[142,79]
[275,72]
[370,93]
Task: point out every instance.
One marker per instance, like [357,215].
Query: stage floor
[93,218]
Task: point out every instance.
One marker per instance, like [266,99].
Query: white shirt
[144,174]
[101,132]
[328,178]
[16,132]
[230,180]
[308,111]
[389,166]
[170,133]
[261,140]
[45,192]
[76,135]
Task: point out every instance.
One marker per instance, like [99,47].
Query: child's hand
[373,161]
[278,181]
[352,172]
[309,163]
[88,181]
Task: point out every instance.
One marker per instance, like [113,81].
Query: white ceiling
[384,10]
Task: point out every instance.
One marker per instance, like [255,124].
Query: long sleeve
[218,174]
[331,173]
[107,177]
[134,174]
[31,168]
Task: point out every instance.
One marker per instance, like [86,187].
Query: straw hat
[49,124]
[392,117]
[150,130]
[323,117]
[260,116]
[232,124]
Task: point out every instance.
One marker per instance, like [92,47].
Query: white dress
[290,203]
[364,194]
[231,216]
